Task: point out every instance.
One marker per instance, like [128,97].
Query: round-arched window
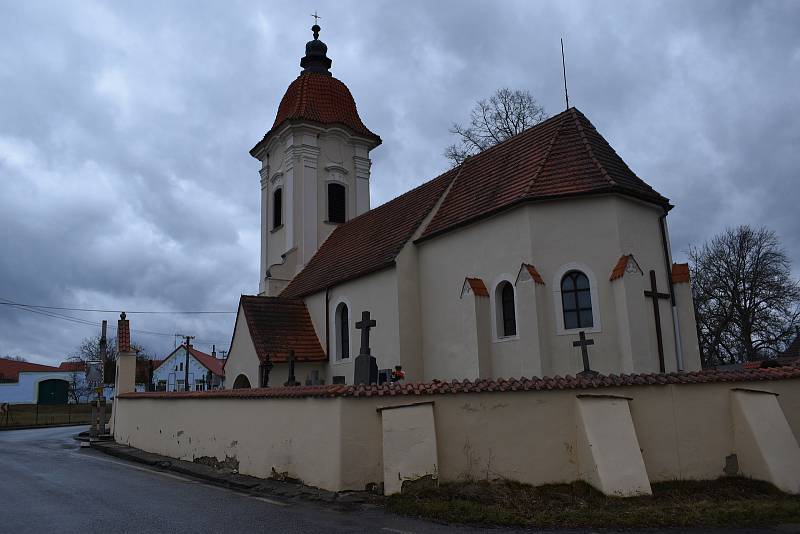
[576,300]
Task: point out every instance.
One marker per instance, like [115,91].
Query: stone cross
[291,381]
[366,367]
[365,325]
[655,295]
[583,344]
[266,367]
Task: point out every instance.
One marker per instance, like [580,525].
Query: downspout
[662,224]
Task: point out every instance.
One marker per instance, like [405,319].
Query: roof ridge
[588,147]
[545,159]
[517,136]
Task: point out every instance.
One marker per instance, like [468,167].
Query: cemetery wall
[685,431]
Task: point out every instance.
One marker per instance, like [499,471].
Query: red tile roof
[206,360]
[211,363]
[10,369]
[369,242]
[680,273]
[488,386]
[561,157]
[320,98]
[278,325]
[619,268]
[72,366]
[477,286]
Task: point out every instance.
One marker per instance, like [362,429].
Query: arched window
[336,203]
[277,208]
[506,310]
[576,298]
[342,332]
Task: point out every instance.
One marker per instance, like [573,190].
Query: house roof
[10,369]
[321,98]
[680,273]
[206,360]
[278,325]
[793,350]
[369,242]
[563,156]
[72,366]
[436,387]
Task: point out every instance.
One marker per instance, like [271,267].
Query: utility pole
[186,365]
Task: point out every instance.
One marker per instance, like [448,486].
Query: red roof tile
[486,386]
[534,274]
[206,360]
[561,157]
[369,242]
[72,366]
[278,325]
[320,98]
[477,286]
[680,273]
[10,369]
[619,268]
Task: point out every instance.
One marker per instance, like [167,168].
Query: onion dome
[317,96]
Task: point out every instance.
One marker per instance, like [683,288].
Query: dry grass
[726,502]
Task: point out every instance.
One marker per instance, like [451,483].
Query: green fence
[15,415]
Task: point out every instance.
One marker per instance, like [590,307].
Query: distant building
[32,383]
[205,371]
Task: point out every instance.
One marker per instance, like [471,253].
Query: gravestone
[291,381]
[366,367]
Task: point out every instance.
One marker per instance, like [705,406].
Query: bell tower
[315,168]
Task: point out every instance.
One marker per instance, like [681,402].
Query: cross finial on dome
[315,28]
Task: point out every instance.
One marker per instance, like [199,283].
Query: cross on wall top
[653,293]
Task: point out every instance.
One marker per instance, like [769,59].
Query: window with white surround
[505,310]
[337,206]
[575,299]
[342,321]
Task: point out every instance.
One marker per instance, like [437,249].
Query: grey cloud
[124,129]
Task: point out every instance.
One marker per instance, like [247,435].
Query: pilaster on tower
[315,168]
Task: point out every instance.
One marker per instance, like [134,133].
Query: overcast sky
[125,179]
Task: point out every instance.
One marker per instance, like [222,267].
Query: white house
[32,383]
[496,268]
[205,371]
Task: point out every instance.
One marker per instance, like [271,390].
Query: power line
[97,310]
[85,322]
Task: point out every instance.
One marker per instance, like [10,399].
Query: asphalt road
[48,484]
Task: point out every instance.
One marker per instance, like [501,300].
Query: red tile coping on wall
[477,286]
[619,268]
[534,273]
[680,273]
[487,386]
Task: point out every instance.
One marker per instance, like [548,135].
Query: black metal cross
[583,344]
[316,17]
[655,295]
[365,325]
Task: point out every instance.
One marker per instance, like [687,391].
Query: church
[545,255]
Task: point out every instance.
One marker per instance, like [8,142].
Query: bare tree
[746,301]
[89,350]
[504,114]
